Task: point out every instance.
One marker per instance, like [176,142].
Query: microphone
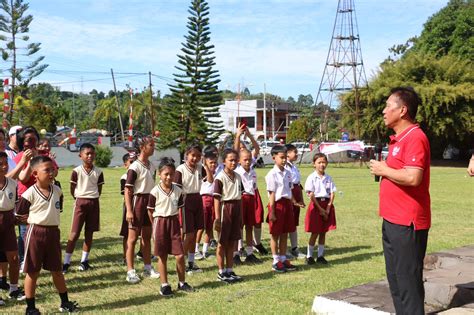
[378,156]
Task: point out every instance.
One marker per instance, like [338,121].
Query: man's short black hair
[408,97]
[20,136]
[3,155]
[38,160]
[86,145]
[278,149]
[211,155]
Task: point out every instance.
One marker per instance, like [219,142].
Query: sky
[280,43]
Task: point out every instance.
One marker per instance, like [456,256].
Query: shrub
[103,155]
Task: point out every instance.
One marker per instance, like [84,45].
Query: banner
[335,147]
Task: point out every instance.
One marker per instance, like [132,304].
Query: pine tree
[192,113]
[14,27]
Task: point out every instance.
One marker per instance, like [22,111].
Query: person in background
[13,148]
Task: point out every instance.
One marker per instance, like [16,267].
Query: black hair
[141,141]
[408,97]
[39,159]
[210,149]
[126,157]
[43,140]
[86,145]
[3,155]
[211,155]
[290,147]
[20,136]
[192,147]
[320,155]
[166,162]
[226,152]
[278,149]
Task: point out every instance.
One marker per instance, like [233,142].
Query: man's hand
[129,217]
[377,167]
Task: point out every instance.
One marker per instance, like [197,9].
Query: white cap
[13,130]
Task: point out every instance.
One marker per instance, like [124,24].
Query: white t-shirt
[321,186]
[279,182]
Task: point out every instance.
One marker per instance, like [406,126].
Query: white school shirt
[279,182]
[8,195]
[165,204]
[87,184]
[249,179]
[295,173]
[141,177]
[42,210]
[322,187]
[228,188]
[189,180]
[207,188]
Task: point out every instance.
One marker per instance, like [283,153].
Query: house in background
[279,116]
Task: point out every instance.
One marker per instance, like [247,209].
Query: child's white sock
[310,251]
[197,248]
[221,271]
[85,256]
[67,258]
[190,257]
[147,267]
[229,270]
[249,250]
[240,245]
[282,258]
[164,284]
[257,234]
[276,259]
[320,250]
[205,248]
[13,287]
[294,239]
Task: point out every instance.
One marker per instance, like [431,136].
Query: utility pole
[118,106]
[152,115]
[265,112]
[273,120]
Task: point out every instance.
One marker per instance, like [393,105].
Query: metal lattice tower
[344,69]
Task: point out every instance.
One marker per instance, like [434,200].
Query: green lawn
[354,251]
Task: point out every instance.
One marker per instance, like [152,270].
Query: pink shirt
[406,205]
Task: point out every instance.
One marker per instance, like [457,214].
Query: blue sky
[282,43]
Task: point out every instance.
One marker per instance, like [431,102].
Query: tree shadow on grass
[140,300]
[342,260]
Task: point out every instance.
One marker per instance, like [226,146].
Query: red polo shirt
[405,205]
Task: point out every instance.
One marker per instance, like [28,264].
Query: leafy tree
[192,113]
[449,31]
[14,28]
[298,130]
[305,100]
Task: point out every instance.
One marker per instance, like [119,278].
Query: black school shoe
[237,260]
[225,277]
[166,291]
[32,311]
[18,295]
[252,259]
[310,261]
[69,307]
[185,287]
[321,260]
[84,266]
[4,286]
[66,268]
[261,250]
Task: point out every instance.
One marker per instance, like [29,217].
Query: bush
[103,156]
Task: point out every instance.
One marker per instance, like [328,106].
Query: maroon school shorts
[167,236]
[249,206]
[86,211]
[140,212]
[231,221]
[124,226]
[259,209]
[42,249]
[314,222]
[8,240]
[285,218]
[192,216]
[208,210]
[297,193]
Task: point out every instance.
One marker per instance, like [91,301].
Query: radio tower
[344,69]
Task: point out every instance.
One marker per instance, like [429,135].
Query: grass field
[354,251]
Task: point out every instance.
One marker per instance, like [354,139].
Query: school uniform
[322,187]
[142,178]
[280,182]
[42,242]
[7,217]
[249,202]
[166,226]
[297,190]
[124,226]
[86,194]
[189,180]
[207,191]
[229,191]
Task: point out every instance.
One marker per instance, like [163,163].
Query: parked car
[302,147]
[266,146]
[384,153]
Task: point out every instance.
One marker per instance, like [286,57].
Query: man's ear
[403,111]
[34,173]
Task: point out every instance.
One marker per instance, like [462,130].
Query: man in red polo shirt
[405,201]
